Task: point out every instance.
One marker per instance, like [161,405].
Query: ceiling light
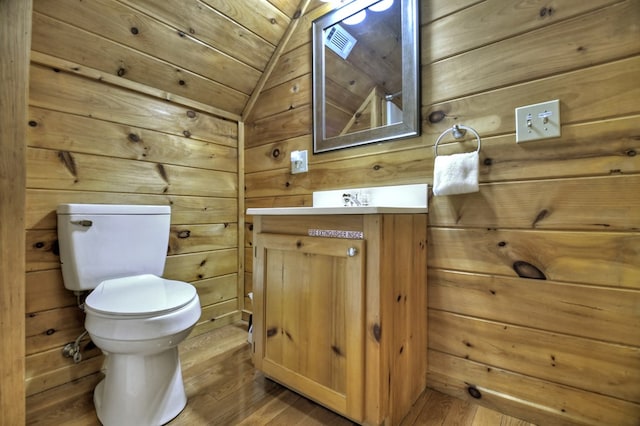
[355,19]
[381,6]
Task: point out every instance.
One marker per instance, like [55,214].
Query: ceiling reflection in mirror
[365,74]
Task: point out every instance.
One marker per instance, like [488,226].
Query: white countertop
[292,211]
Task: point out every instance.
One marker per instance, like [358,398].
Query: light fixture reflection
[381,6]
[355,19]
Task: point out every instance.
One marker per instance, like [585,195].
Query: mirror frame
[410,125]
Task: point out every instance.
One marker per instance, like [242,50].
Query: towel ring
[458,131]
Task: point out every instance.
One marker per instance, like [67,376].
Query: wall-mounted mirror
[365,74]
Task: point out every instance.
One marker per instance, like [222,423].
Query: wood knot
[50,331]
[297,14]
[299,244]
[475,393]
[488,161]
[187,134]
[527,270]
[377,332]
[121,71]
[68,161]
[182,82]
[33,123]
[273,21]
[163,173]
[192,31]
[436,116]
[546,11]
[336,350]
[181,33]
[543,213]
[133,137]
[272,331]
[502,243]
[39,245]
[184,234]
[134,31]
[377,167]
[631,153]
[191,114]
[275,153]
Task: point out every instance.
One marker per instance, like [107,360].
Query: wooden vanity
[340,306]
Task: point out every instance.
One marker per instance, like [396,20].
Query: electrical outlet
[299,162]
[538,121]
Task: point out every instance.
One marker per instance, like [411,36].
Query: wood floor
[223,388]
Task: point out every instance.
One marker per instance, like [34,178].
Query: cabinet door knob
[352,251]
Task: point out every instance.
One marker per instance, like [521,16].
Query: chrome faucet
[358,198]
[350,199]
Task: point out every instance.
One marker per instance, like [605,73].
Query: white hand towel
[456,174]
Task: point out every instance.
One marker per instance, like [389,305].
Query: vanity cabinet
[340,309]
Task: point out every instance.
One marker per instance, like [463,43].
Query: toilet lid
[140,295]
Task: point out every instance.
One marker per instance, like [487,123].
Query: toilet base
[140,389]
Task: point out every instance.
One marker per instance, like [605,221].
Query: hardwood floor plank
[486,417]
[270,410]
[435,410]
[460,413]
[223,388]
[416,409]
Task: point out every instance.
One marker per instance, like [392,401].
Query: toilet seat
[139,296]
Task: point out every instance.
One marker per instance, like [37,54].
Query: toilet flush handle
[86,223]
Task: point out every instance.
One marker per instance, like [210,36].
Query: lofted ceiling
[217,52]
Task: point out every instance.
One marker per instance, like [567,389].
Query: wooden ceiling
[217,52]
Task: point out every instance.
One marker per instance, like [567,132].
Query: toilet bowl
[138,322]
[133,315]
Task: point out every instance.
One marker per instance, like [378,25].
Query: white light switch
[299,162]
[539,121]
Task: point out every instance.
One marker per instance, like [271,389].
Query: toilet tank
[103,241]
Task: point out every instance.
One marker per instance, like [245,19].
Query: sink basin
[382,199]
[379,196]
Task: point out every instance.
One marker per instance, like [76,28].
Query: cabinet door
[310,320]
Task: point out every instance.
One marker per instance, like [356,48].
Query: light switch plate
[538,121]
[299,162]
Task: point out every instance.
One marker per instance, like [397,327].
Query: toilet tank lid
[112,209]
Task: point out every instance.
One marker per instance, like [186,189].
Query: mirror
[365,74]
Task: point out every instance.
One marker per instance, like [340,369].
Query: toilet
[133,314]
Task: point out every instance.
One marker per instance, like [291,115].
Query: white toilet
[136,317]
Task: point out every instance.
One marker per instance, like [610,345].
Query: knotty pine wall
[534,282]
[137,102]
[15,42]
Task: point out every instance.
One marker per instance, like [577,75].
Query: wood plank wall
[139,102]
[15,41]
[534,282]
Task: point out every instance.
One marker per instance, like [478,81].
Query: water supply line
[72,350]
